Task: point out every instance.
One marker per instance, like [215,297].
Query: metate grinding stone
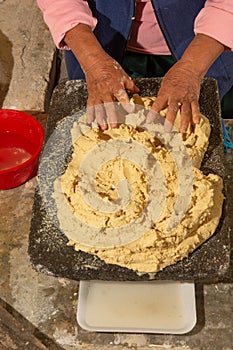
[48,248]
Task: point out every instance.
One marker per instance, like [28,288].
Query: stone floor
[38,311]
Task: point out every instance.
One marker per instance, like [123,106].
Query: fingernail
[196,120]
[104,126]
[113,124]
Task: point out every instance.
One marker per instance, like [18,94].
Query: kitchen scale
[137,307]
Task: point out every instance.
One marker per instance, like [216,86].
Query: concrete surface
[49,304]
[26,56]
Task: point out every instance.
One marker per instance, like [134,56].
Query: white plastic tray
[138,307]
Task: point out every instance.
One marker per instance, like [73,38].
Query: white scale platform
[138,307]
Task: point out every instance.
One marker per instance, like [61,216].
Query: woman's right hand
[106,80]
[106,83]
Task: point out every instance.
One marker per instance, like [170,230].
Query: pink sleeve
[216,21]
[63,15]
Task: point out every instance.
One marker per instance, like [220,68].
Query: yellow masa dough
[158,247]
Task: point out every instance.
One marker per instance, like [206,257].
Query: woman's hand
[106,83]
[106,80]
[180,87]
[179,90]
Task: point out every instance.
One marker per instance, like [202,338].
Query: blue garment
[176,20]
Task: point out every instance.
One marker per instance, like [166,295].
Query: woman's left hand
[179,90]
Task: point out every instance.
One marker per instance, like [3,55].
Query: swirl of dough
[118,184]
[107,189]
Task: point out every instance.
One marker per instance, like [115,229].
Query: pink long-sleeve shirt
[214,20]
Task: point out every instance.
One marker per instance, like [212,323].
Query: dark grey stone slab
[48,248]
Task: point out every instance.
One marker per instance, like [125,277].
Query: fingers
[100,116]
[122,96]
[90,114]
[130,85]
[103,110]
[106,84]
[103,114]
[160,103]
[111,113]
[106,113]
[114,84]
[153,115]
[186,116]
[195,112]
[185,112]
[189,113]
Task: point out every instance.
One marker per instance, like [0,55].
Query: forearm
[85,46]
[201,54]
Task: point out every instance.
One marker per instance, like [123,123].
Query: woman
[113,40]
